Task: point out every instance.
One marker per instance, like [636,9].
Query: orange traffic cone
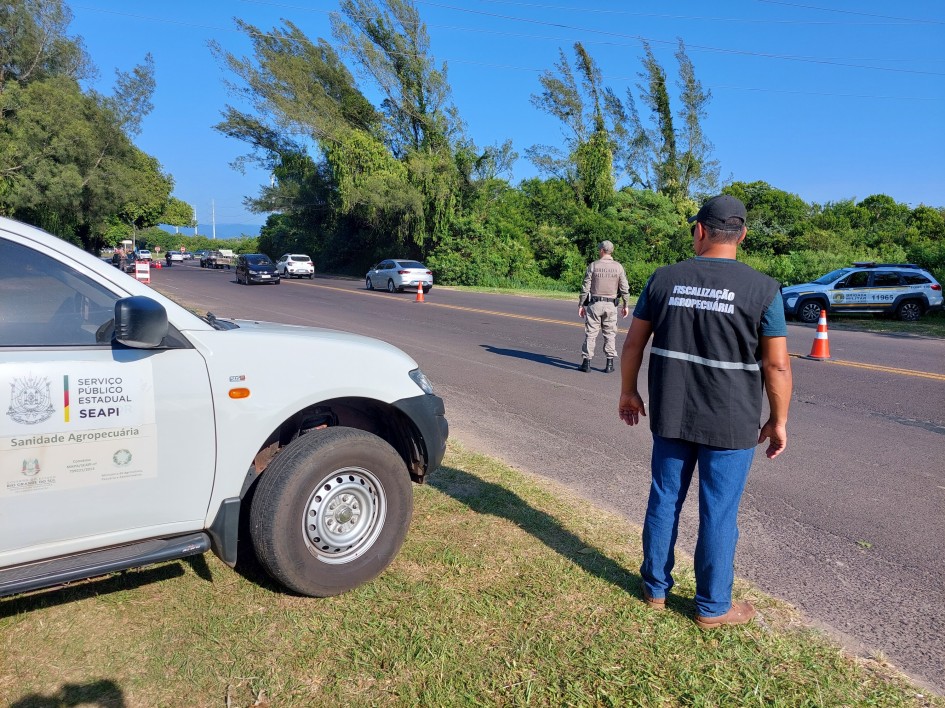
[821,347]
[419,292]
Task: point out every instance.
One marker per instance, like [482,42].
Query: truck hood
[802,288]
[322,335]
[303,331]
[283,363]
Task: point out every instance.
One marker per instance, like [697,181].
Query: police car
[903,290]
[134,432]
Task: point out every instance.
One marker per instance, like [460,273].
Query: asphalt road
[847,524]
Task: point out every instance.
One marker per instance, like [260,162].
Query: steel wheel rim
[344,515]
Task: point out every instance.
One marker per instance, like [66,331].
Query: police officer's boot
[585,366]
[610,365]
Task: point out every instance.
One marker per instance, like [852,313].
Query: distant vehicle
[174,257]
[395,275]
[256,268]
[143,254]
[903,290]
[295,265]
[217,259]
[188,256]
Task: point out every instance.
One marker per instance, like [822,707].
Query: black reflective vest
[705,378]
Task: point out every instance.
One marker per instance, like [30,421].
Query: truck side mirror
[140,322]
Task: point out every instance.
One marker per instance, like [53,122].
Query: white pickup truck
[134,432]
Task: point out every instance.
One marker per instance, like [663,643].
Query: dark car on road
[256,268]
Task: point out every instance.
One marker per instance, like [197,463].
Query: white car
[103,380]
[143,254]
[395,275]
[295,265]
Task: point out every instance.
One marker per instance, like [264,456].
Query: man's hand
[631,407]
[581,311]
[625,311]
[776,433]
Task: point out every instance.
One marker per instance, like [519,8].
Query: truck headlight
[422,381]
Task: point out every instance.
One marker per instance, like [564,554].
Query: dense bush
[541,235]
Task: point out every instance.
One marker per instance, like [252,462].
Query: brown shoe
[740,613]
[654,603]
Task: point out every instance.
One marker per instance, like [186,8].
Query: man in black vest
[719,340]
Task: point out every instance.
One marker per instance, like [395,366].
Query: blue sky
[827,99]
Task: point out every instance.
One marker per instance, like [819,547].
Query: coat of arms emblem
[30,400]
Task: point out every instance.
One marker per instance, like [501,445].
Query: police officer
[605,283]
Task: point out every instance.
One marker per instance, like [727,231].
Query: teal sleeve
[773,323]
[642,309]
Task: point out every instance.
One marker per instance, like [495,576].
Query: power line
[700,18]
[932,98]
[705,48]
[851,12]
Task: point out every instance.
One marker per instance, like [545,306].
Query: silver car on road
[394,275]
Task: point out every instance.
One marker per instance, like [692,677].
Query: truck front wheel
[331,511]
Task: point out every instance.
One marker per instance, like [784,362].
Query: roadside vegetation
[507,593]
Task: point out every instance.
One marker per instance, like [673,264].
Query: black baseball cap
[723,212]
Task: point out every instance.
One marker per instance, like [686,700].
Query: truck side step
[66,569]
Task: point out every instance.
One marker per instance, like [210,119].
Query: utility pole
[213,217]
[195,219]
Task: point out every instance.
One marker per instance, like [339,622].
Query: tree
[66,158]
[389,43]
[928,222]
[606,140]
[673,161]
[385,177]
[145,192]
[131,101]
[177,213]
[698,171]
[590,118]
[774,216]
[300,88]
[34,45]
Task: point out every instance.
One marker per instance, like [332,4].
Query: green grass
[526,292]
[508,592]
[930,325]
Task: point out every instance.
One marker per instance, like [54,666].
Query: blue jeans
[722,477]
